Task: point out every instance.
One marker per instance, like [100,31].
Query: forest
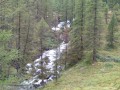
[60,44]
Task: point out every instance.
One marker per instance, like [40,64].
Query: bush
[88,58]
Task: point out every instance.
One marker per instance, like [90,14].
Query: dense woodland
[26,32]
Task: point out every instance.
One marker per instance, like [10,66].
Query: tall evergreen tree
[76,34]
[44,39]
[111,32]
[93,25]
[7,54]
[95,28]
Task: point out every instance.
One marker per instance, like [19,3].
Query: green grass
[100,76]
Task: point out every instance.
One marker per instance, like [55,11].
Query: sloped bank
[100,76]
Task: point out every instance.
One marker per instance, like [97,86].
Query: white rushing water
[52,55]
[61,25]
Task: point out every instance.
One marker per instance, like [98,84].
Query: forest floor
[99,76]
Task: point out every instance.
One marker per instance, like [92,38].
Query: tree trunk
[82,28]
[66,57]
[27,37]
[19,35]
[41,52]
[95,33]
[56,65]
[106,17]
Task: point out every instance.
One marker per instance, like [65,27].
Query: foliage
[111,33]
[43,34]
[108,58]
[6,55]
[76,33]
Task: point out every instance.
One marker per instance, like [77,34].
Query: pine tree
[111,33]
[76,34]
[43,39]
[7,54]
[94,19]
[95,28]
[112,3]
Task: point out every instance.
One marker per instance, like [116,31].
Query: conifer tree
[7,54]
[93,25]
[76,34]
[111,32]
[44,39]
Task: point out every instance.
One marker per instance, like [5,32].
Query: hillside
[100,76]
[60,45]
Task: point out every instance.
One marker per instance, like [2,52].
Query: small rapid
[51,55]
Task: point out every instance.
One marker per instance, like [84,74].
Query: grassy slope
[101,76]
